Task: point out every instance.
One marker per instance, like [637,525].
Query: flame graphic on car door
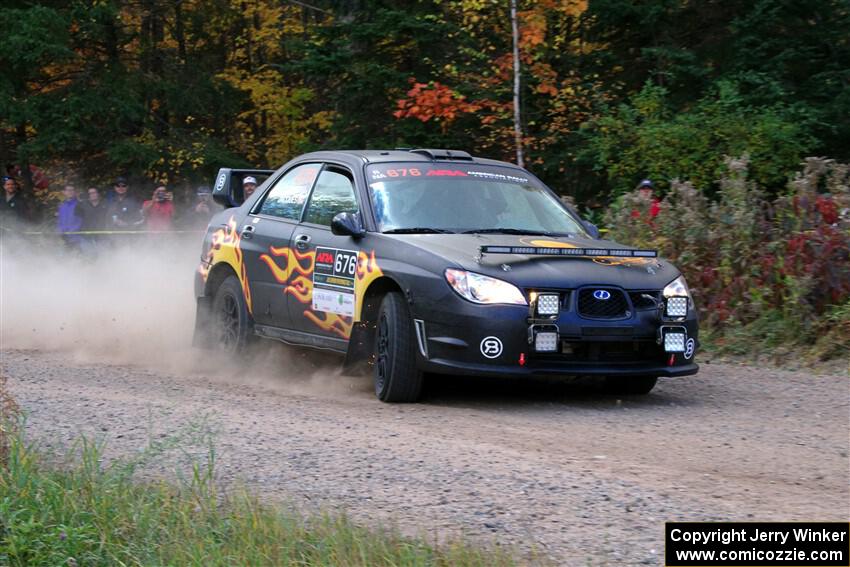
[296,277]
[224,247]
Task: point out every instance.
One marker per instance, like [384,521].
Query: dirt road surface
[561,472]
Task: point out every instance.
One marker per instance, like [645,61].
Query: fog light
[674,342]
[548,304]
[677,307]
[546,342]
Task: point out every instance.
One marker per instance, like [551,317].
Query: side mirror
[592,229]
[347,224]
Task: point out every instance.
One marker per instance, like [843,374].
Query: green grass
[86,513]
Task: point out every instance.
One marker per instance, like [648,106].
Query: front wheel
[630,385]
[397,379]
[231,323]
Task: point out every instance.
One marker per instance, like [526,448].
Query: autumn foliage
[781,266]
[433,101]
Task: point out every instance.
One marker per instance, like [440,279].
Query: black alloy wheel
[230,317]
[397,378]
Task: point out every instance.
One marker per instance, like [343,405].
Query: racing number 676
[345,264]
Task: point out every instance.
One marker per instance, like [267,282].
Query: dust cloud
[131,302]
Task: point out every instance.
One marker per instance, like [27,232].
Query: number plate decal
[333,281]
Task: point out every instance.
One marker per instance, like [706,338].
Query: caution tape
[99,232]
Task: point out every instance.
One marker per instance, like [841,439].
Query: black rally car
[436,261]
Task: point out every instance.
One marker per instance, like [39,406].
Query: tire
[231,324]
[397,379]
[630,385]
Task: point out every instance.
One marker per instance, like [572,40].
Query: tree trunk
[517,123]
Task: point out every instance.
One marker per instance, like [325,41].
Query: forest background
[738,110]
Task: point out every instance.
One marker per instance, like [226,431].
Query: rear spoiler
[585,252]
[227,190]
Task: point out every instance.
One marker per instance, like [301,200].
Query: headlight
[677,288]
[484,289]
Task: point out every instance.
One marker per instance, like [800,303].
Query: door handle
[248,232]
[302,241]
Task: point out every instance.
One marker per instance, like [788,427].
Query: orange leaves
[426,101]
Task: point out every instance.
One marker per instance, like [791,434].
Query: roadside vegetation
[770,274]
[78,510]
[612,92]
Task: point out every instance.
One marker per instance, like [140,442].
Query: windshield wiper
[419,230]
[514,231]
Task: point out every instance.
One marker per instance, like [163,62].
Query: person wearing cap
[249,184]
[644,189]
[13,205]
[124,213]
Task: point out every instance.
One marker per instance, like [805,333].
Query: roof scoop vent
[435,154]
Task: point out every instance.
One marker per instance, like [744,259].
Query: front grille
[615,307]
[643,300]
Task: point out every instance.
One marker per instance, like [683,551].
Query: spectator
[13,204]
[644,189]
[93,211]
[249,184]
[69,218]
[159,210]
[202,210]
[124,211]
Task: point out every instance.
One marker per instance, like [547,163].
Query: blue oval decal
[602,294]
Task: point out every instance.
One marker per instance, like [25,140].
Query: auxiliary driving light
[676,307]
[548,304]
[546,342]
[674,341]
[545,338]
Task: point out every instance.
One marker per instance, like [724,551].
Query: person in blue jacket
[69,219]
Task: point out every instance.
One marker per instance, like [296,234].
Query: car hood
[464,251]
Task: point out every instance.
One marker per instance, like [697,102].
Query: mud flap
[203,335]
[360,348]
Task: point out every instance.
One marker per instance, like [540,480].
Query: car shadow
[292,364]
[482,392]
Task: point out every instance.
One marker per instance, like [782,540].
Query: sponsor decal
[491,347]
[394,172]
[497,176]
[333,281]
[690,346]
[329,301]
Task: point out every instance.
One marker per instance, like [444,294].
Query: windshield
[435,197]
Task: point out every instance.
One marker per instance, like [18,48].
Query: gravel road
[559,471]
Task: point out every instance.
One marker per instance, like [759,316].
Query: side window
[334,193]
[286,198]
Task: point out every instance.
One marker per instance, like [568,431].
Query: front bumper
[458,337]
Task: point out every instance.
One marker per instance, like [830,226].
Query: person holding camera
[198,217]
[159,210]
